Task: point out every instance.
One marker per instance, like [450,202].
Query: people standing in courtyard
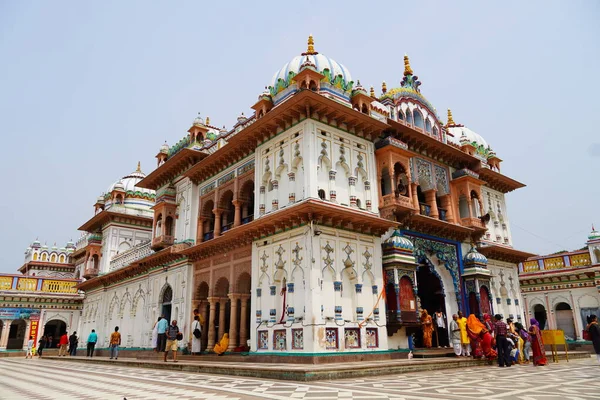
[594,331]
[464,336]
[29,353]
[73,340]
[64,342]
[91,343]
[537,343]
[500,333]
[455,335]
[221,347]
[172,335]
[155,334]
[197,336]
[427,327]
[115,342]
[440,324]
[481,338]
[41,345]
[161,330]
[525,338]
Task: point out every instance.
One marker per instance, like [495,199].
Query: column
[5,331]
[415,197]
[244,319]
[212,303]
[27,334]
[430,199]
[447,205]
[200,229]
[237,219]
[222,302]
[351,190]
[217,227]
[233,318]
[575,318]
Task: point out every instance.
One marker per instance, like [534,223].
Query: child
[29,348]
[514,352]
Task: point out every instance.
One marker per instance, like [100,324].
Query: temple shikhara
[324,221]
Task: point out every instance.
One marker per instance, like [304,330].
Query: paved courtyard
[48,379]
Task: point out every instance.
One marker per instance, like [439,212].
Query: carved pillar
[222,304]
[447,205]
[332,191]
[233,319]
[415,197]
[237,219]
[217,228]
[352,190]
[212,303]
[200,238]
[430,199]
[5,331]
[244,319]
[275,200]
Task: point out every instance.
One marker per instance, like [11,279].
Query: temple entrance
[167,298]
[54,329]
[564,320]
[484,300]
[16,335]
[539,313]
[431,295]
[474,305]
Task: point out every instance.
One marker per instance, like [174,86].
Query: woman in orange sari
[537,343]
[480,335]
[427,326]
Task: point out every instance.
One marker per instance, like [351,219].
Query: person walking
[73,340]
[464,336]
[161,330]
[537,343]
[455,335]
[29,353]
[500,333]
[41,345]
[91,343]
[197,336]
[64,342]
[115,342]
[427,327]
[173,336]
[155,334]
[524,337]
[594,331]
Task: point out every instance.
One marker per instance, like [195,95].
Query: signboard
[552,338]
[19,313]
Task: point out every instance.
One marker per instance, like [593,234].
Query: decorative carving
[328,260]
[280,264]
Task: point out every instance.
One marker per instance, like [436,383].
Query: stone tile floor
[48,379]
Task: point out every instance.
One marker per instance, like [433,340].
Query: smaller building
[43,299]
[560,290]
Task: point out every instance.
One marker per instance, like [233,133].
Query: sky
[88,89]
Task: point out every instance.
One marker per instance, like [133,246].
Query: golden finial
[407,69]
[450,119]
[311,47]
[207,121]
[384,87]
[139,168]
[372,92]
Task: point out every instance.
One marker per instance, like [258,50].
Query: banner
[19,313]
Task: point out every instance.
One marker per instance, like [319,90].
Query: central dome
[311,59]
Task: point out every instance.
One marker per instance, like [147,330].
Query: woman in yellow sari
[427,326]
[221,347]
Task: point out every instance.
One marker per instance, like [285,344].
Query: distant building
[562,289]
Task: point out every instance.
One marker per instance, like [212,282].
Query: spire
[407,69]
[372,92]
[383,87]
[450,119]
[207,121]
[139,167]
[311,47]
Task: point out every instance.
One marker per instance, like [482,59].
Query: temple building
[323,222]
[561,290]
[42,299]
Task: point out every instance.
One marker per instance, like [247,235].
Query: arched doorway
[564,320]
[55,328]
[16,335]
[474,305]
[539,313]
[166,299]
[484,300]
[431,294]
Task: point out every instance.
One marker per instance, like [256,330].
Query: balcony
[20,283]
[90,272]
[208,236]
[162,241]
[226,227]
[401,204]
[135,253]
[249,218]
[424,209]
[474,223]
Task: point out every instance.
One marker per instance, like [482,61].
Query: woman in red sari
[427,326]
[537,344]
[481,339]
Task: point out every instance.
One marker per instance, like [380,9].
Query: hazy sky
[87,90]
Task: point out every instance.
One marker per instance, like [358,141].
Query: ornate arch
[139,294]
[57,317]
[114,302]
[560,299]
[126,298]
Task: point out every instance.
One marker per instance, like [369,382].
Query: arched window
[166,299]
[358,203]
[385,182]
[409,118]
[476,212]
[44,257]
[400,115]
[463,207]
[436,133]
[169,226]
[400,180]
[428,125]
[53,258]
[313,86]
[35,256]
[61,259]
[322,195]
[418,119]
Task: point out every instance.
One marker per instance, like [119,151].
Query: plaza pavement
[46,379]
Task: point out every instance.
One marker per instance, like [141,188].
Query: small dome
[36,244]
[359,89]
[119,186]
[70,244]
[241,118]
[45,246]
[100,199]
[458,132]
[399,242]
[198,121]
[474,257]
[594,234]
[164,148]
[54,247]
